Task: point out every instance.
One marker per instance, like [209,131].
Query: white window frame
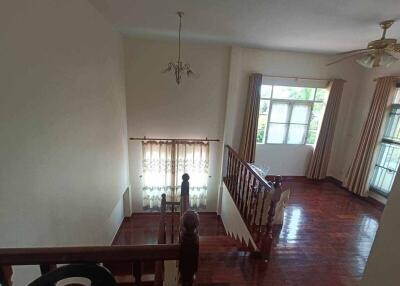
[291,103]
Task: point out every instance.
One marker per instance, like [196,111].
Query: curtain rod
[296,77]
[174,139]
[393,77]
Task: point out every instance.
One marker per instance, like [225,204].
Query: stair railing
[251,192]
[185,252]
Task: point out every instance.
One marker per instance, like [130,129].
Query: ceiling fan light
[366,61]
[386,60]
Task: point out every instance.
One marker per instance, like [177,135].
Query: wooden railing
[186,252]
[251,194]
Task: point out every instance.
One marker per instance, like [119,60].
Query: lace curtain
[164,163]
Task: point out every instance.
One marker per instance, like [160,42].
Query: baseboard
[369,199]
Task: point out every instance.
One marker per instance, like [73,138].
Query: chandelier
[179,67]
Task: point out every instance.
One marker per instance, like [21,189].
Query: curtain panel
[164,163]
[320,158]
[248,144]
[356,180]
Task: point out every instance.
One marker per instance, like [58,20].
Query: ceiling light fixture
[179,67]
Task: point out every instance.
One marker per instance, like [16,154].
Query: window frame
[394,110]
[291,103]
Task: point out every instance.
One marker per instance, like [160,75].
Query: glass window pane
[261,127]
[266,91]
[392,130]
[279,112]
[276,133]
[396,99]
[290,92]
[311,137]
[300,113]
[316,115]
[322,94]
[264,106]
[296,134]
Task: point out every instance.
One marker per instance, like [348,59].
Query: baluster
[229,171]
[265,195]
[6,273]
[267,237]
[241,186]
[172,221]
[246,193]
[259,187]
[189,247]
[236,179]
[137,272]
[240,182]
[251,203]
[45,268]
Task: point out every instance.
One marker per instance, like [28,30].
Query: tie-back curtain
[356,180]
[320,158]
[247,150]
[164,163]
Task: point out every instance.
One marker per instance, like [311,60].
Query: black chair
[98,275]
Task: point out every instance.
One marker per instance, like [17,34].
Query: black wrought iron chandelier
[179,67]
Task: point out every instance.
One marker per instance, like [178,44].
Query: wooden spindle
[6,273]
[137,272]
[229,171]
[45,268]
[266,244]
[251,203]
[185,204]
[189,247]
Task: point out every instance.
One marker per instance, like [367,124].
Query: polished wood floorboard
[325,240]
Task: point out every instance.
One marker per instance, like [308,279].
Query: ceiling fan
[378,53]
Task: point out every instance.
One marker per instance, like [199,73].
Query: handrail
[61,255]
[250,192]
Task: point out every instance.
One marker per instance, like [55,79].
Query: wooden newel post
[189,247]
[185,193]
[267,238]
[6,273]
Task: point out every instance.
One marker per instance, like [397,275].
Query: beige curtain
[320,158]
[247,148]
[356,180]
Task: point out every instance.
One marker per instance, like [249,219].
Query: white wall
[246,61]
[157,107]
[63,147]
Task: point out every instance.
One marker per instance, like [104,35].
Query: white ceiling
[301,25]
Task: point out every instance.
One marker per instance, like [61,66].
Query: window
[388,158]
[290,115]
[164,163]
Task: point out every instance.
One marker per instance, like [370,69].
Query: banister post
[185,193]
[267,239]
[189,247]
[6,273]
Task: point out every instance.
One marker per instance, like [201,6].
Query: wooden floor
[325,240]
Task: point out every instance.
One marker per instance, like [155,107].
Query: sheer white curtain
[164,163]
[192,158]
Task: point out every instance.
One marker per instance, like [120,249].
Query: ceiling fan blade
[352,51]
[347,57]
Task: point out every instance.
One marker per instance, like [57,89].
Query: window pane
[300,113]
[279,112]
[296,134]
[264,106]
[392,130]
[311,137]
[266,91]
[322,94]
[262,123]
[290,92]
[316,115]
[276,133]
[396,99]
[383,179]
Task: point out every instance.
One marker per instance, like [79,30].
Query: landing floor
[325,240]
